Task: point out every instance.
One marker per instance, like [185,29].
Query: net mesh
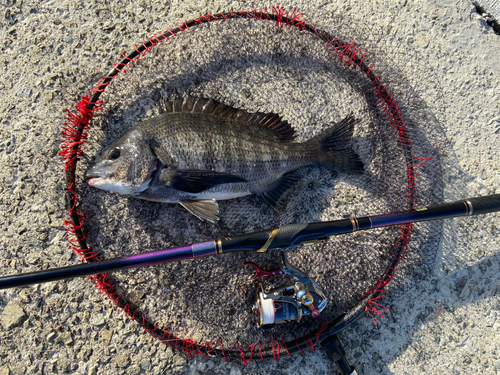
[312,79]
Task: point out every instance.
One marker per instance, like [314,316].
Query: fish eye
[114,154]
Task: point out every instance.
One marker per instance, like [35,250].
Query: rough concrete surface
[53,53]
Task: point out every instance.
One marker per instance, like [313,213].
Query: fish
[199,151]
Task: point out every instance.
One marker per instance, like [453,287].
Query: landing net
[267,61]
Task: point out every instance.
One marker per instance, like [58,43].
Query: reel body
[286,304]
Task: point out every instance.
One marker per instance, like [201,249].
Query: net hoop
[74,135]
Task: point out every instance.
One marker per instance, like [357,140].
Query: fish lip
[94,172]
[93,179]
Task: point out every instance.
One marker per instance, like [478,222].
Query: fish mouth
[93,178]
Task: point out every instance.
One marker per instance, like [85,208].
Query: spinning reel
[287,304]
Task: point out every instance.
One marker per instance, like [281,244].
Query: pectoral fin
[196,181]
[204,210]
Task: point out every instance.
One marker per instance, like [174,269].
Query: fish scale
[239,148]
[201,151]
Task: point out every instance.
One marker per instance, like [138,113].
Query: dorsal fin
[196,104]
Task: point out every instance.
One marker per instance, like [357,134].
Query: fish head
[126,167]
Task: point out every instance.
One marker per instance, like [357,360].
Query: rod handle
[485,205]
[336,353]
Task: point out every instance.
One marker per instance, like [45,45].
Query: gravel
[13,315]
[52,53]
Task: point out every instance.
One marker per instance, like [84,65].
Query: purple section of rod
[393,219]
[203,249]
[110,265]
[172,255]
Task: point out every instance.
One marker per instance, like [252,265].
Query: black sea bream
[200,151]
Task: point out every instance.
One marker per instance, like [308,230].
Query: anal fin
[203,209]
[280,189]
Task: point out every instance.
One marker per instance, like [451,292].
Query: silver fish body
[195,158]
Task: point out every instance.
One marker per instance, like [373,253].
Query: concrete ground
[52,53]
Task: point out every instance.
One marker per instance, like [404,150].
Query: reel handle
[259,272]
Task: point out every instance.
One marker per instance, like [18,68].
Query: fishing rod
[279,305]
[281,238]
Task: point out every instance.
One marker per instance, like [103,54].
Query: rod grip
[336,353]
[485,205]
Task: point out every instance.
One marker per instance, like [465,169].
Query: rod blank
[287,236]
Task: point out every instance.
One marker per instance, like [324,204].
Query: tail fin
[335,146]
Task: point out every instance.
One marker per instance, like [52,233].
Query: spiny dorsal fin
[196,104]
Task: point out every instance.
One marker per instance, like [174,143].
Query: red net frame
[74,135]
